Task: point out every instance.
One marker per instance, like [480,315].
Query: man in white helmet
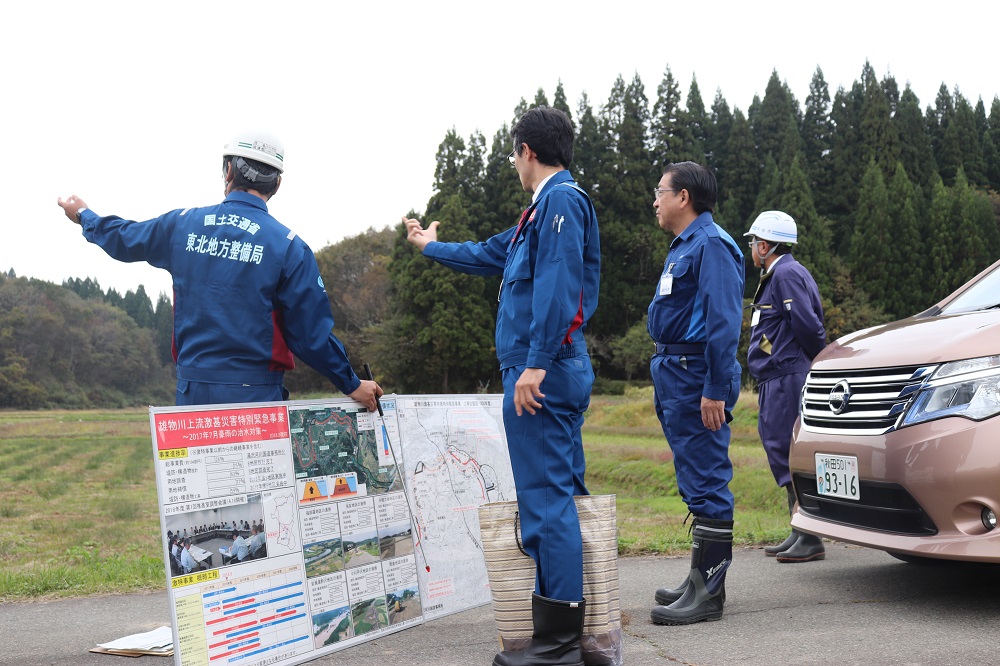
[247,291]
[786,333]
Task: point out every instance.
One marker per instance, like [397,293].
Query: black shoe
[771,551]
[807,548]
[555,639]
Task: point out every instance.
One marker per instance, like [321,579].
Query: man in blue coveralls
[695,319]
[550,263]
[247,291]
[787,332]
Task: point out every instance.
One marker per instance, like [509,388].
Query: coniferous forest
[896,201]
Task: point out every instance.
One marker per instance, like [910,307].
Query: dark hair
[699,181]
[252,175]
[187,541]
[235,534]
[548,132]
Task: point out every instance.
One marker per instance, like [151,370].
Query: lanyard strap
[524,218]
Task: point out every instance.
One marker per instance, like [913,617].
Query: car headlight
[970,389]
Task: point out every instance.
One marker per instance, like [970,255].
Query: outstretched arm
[486,258]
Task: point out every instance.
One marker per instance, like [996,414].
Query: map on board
[338,454]
[455,459]
[280,509]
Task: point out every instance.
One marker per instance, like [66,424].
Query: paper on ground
[157,638]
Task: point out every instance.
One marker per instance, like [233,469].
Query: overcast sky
[128,104]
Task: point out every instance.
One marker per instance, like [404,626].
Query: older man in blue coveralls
[787,332]
[695,319]
[550,263]
[247,291]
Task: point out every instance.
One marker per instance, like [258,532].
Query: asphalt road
[857,607]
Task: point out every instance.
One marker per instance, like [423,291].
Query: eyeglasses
[657,191]
[510,158]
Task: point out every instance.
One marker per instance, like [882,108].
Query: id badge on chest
[755,317]
[667,282]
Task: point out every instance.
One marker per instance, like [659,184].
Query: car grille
[883,507]
[876,398]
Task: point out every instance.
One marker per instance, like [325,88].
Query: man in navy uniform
[550,263]
[247,291]
[787,332]
[695,319]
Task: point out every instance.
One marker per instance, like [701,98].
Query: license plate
[837,476]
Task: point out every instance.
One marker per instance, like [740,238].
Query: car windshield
[983,295]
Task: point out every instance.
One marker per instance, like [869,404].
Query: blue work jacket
[551,267]
[247,291]
[699,299]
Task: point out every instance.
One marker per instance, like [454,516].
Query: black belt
[519,356]
[680,348]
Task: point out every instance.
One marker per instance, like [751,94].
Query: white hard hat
[259,146]
[775,227]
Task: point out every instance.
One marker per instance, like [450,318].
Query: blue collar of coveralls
[703,220]
[555,179]
[247,198]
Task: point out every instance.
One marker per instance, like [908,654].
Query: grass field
[78,510]
[78,507]
[627,455]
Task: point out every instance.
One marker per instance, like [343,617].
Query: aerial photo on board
[323,557]
[332,626]
[369,615]
[328,442]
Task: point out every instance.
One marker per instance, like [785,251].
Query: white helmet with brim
[775,227]
[259,146]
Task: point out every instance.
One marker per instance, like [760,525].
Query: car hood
[915,341]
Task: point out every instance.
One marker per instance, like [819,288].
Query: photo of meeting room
[220,536]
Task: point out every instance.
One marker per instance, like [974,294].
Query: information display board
[455,459]
[296,529]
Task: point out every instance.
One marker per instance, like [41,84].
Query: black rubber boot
[807,548]
[668,595]
[555,639]
[771,551]
[704,596]
[665,596]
